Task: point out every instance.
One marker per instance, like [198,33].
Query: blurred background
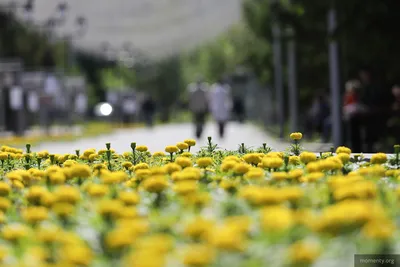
[76,68]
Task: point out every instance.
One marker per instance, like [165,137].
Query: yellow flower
[43,154]
[155,184]
[173,167]
[313,167]
[77,255]
[185,187]
[142,148]
[108,177]
[158,154]
[3,156]
[48,234]
[186,155]
[307,157]
[255,173]
[119,238]
[378,158]
[141,166]
[4,189]
[379,229]
[127,164]
[279,176]
[69,163]
[4,204]
[110,208]
[343,149]
[97,190]
[57,177]
[182,145]
[199,228]
[344,157]
[252,158]
[228,165]
[276,218]
[295,174]
[294,160]
[183,161]
[142,173]
[199,255]
[190,142]
[228,238]
[67,194]
[171,149]
[129,198]
[89,152]
[232,157]
[35,214]
[272,162]
[63,209]
[303,253]
[204,162]
[13,232]
[296,136]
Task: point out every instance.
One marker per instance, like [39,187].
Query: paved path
[160,136]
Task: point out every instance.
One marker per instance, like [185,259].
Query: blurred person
[317,114]
[129,109]
[52,100]
[352,104]
[198,104]
[148,109]
[221,104]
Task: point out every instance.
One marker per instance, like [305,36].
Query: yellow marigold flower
[141,166]
[240,223]
[93,157]
[127,164]
[129,198]
[48,199]
[295,174]
[313,167]
[67,194]
[199,255]
[4,189]
[48,234]
[279,176]
[97,190]
[69,163]
[35,214]
[356,190]
[379,229]
[378,158]
[155,184]
[4,204]
[173,167]
[276,218]
[344,157]
[252,158]
[198,199]
[229,185]
[119,238]
[57,177]
[17,184]
[81,170]
[158,170]
[296,136]
[3,156]
[89,152]
[302,253]
[199,228]
[142,148]
[204,162]
[183,161]
[228,238]
[143,173]
[185,187]
[110,208]
[108,177]
[13,232]
[14,175]
[190,142]
[102,151]
[43,154]
[182,145]
[307,157]
[272,162]
[73,157]
[241,168]
[343,149]
[294,160]
[292,194]
[187,155]
[232,157]
[255,173]
[312,177]
[77,255]
[228,165]
[158,154]
[171,149]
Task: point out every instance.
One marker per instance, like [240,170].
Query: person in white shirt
[221,105]
[198,105]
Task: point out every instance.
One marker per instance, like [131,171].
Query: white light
[106,109]
[103,110]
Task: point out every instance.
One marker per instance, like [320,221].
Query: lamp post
[334,78]
[277,54]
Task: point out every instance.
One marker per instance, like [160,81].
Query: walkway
[160,136]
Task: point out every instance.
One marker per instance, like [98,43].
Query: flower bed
[249,207]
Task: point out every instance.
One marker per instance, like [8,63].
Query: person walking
[221,105]
[129,109]
[148,109]
[198,104]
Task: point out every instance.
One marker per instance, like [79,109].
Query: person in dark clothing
[148,108]
[238,109]
[317,115]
